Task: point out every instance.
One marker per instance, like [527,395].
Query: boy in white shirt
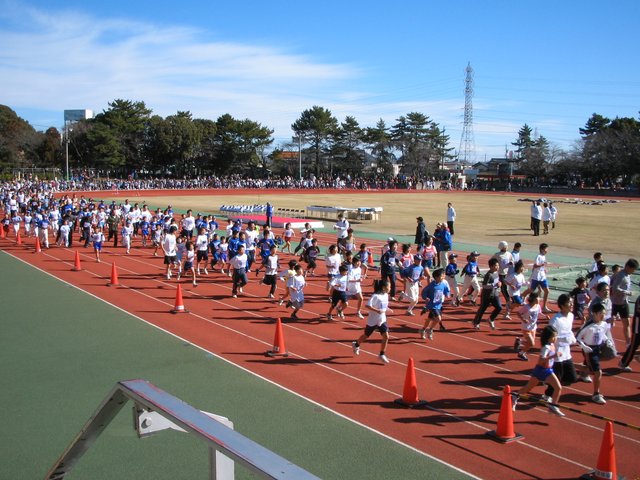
[539,277]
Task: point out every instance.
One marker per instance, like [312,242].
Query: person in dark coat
[421,233]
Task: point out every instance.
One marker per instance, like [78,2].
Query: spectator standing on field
[269,214]
[451,217]
[421,233]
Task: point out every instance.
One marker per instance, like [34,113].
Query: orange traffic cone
[606,466]
[504,432]
[370,258]
[114,276]
[18,239]
[278,343]
[38,246]
[76,263]
[410,392]
[179,305]
[2,234]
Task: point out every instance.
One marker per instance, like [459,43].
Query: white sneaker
[359,314]
[356,348]
[586,379]
[598,398]
[430,334]
[623,368]
[514,401]
[206,272]
[545,398]
[410,313]
[507,317]
[555,410]
[383,358]
[423,333]
[492,324]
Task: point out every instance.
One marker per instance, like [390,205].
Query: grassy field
[482,219]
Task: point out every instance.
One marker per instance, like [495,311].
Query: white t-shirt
[379,301]
[539,273]
[202,242]
[296,288]
[530,316]
[515,281]
[354,276]
[169,245]
[333,264]
[565,338]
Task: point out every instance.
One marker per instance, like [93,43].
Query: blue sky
[550,64]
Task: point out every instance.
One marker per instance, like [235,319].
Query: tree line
[126,138]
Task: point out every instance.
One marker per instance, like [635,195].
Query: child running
[515,281]
[190,259]
[434,294]
[271,272]
[377,306]
[97,238]
[338,291]
[288,234]
[286,276]
[581,298]
[591,337]
[413,275]
[354,285]
[296,290]
[543,371]
[450,274]
[490,295]
[529,314]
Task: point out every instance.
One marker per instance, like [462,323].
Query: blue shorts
[592,359]
[539,283]
[517,299]
[541,373]
[97,246]
[337,297]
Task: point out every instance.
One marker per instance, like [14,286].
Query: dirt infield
[483,218]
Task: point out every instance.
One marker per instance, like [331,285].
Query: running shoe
[545,398]
[585,378]
[492,324]
[514,401]
[410,313]
[517,343]
[507,316]
[359,314]
[423,333]
[430,334]
[356,348]
[383,358]
[623,367]
[555,410]
[523,356]
[598,398]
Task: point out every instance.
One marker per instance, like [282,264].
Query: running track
[461,373]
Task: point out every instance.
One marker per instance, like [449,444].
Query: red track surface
[461,373]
